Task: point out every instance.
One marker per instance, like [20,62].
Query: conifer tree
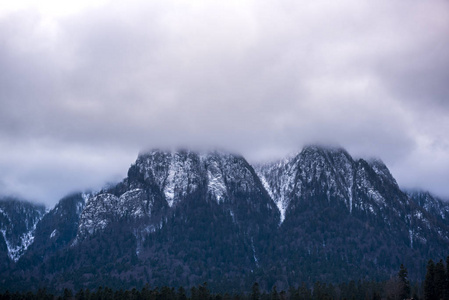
[67,294]
[446,289]
[80,295]
[194,293]
[274,294]
[255,291]
[293,293]
[203,292]
[405,283]
[429,282]
[181,295]
[440,279]
[304,292]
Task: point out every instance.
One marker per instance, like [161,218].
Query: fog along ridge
[183,218]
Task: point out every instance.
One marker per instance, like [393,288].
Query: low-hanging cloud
[82,93]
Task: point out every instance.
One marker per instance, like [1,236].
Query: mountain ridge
[185,217]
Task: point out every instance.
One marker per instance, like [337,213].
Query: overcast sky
[86,85]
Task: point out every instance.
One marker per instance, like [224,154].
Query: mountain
[346,217]
[18,221]
[196,215]
[185,217]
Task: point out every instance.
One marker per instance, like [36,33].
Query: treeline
[319,291]
[436,283]
[435,286]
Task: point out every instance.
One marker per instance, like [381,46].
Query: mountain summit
[184,217]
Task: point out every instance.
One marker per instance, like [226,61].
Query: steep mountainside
[347,216]
[183,218]
[55,230]
[179,217]
[433,205]
[18,221]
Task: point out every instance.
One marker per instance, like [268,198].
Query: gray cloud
[81,94]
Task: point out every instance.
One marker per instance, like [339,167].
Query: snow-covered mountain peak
[179,173]
[323,150]
[161,179]
[329,162]
[290,178]
[176,173]
[324,173]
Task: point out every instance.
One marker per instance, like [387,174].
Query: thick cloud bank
[84,86]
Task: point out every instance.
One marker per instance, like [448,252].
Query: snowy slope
[431,204]
[18,221]
[176,174]
[291,178]
[160,180]
[333,174]
[57,228]
[367,187]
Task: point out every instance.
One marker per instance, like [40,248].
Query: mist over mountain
[93,82]
[186,217]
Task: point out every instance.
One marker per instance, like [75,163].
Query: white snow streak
[169,189]
[15,252]
[216,185]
